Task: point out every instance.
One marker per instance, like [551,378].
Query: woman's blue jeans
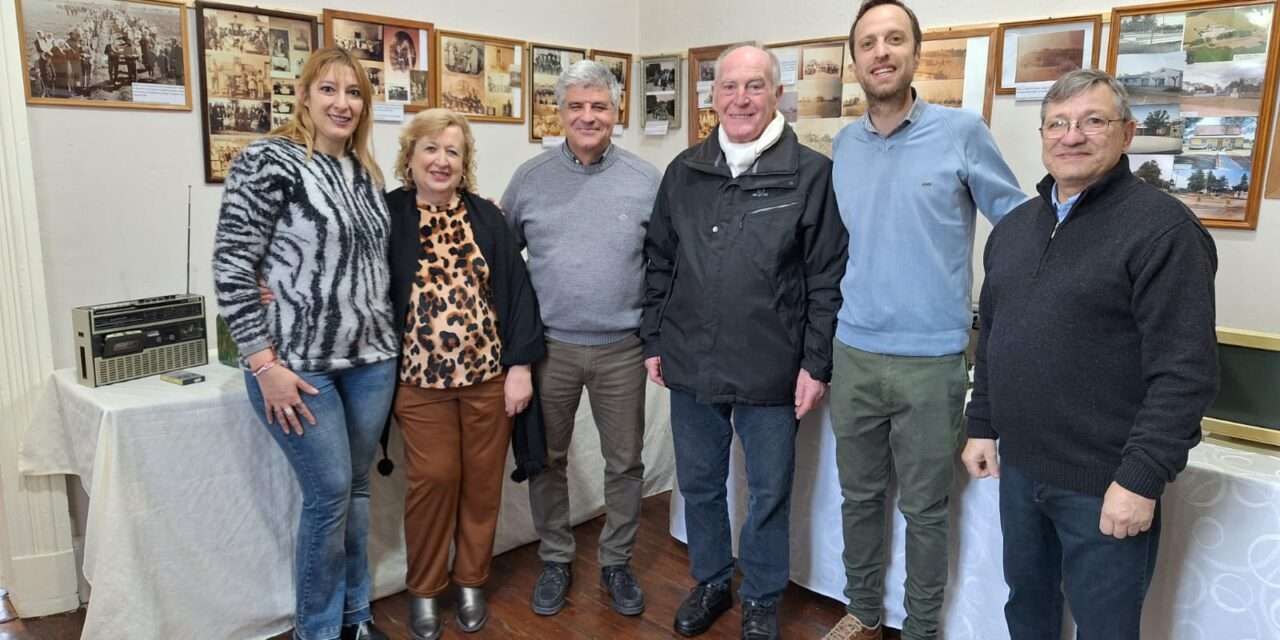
[331,460]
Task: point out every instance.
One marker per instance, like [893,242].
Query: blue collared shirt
[1064,208]
[909,201]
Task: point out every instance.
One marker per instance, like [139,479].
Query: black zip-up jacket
[519,321]
[1097,354]
[743,278]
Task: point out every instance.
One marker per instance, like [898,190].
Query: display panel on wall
[661,76]
[394,52]
[1201,82]
[957,69]
[481,76]
[105,53]
[820,93]
[546,62]
[702,75]
[249,61]
[620,65]
[1033,54]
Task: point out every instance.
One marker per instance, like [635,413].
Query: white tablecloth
[193,508]
[1218,576]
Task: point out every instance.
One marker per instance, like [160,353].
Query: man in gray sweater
[582,211]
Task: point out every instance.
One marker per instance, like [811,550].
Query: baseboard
[45,584]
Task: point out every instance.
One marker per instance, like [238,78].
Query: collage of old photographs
[547,63]
[662,90]
[481,76]
[1196,82]
[394,53]
[248,64]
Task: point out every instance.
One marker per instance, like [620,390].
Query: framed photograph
[620,65]
[249,61]
[662,88]
[957,69]
[1201,80]
[394,52]
[546,62]
[105,53]
[818,87]
[481,76]
[1031,55]
[702,76]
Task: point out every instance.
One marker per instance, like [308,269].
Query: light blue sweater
[909,203]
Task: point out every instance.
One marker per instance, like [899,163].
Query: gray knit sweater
[584,228]
[317,231]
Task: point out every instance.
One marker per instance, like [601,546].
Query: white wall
[111,184]
[1248,280]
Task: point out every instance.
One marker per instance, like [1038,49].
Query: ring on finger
[288,411]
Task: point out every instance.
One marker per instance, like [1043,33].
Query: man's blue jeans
[1052,543]
[703,435]
[331,460]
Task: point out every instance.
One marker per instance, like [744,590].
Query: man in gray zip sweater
[582,210]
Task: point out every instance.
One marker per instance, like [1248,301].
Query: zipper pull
[1055,230]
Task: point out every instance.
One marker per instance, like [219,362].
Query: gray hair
[1082,80]
[775,67]
[588,74]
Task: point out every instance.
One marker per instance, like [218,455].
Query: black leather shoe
[552,588]
[759,620]
[362,631]
[699,611]
[625,595]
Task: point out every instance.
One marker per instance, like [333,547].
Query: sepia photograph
[391,50]
[377,78]
[702,62]
[819,97]
[418,86]
[1223,88]
[1160,128]
[821,62]
[850,75]
[789,104]
[105,53]
[502,81]
[546,63]
[1031,55]
[1045,57]
[945,93]
[1160,33]
[363,39]
[1151,78]
[401,49]
[1221,35]
[942,60]
[817,134]
[853,101]
[252,58]
[620,65]
[706,122]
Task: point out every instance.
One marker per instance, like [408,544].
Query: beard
[890,93]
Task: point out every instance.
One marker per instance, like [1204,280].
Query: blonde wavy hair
[302,130]
[430,123]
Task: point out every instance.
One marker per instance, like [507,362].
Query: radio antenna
[188,239]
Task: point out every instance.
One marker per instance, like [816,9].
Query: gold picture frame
[702,116]
[546,61]
[396,53]
[1034,53]
[482,77]
[620,65]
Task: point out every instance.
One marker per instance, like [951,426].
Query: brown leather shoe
[851,628]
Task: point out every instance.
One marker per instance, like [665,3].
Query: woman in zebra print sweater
[304,209]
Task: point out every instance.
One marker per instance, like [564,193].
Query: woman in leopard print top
[471,330]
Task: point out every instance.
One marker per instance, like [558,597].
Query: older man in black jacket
[745,252]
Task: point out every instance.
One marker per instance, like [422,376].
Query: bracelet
[264,368]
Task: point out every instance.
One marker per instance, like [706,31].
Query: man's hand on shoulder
[809,393]
[1125,513]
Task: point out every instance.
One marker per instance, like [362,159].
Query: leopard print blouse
[451,335]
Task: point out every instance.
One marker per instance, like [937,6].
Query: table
[193,508]
[1219,565]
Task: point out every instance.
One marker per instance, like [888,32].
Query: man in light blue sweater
[909,177]
[582,210]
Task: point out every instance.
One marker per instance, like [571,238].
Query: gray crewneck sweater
[584,229]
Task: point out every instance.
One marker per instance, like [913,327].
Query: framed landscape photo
[546,62]
[249,60]
[1031,55]
[481,76]
[1201,83]
[394,52]
[662,87]
[702,76]
[620,65]
[957,69]
[815,94]
[105,53]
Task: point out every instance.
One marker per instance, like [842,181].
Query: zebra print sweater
[317,230]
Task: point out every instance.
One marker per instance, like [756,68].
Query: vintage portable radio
[125,340]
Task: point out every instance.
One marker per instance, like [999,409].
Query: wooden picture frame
[620,65]
[661,99]
[1201,81]
[546,62]
[399,60]
[814,94]
[225,87]
[472,71]
[1052,43]
[702,116]
[972,88]
[93,64]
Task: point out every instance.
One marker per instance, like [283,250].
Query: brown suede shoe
[851,628]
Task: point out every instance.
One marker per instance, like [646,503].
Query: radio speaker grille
[192,353]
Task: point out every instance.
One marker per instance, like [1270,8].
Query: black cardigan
[519,320]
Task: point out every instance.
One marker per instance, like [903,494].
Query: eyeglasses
[1090,126]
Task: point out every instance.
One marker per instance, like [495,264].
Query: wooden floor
[660,562]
